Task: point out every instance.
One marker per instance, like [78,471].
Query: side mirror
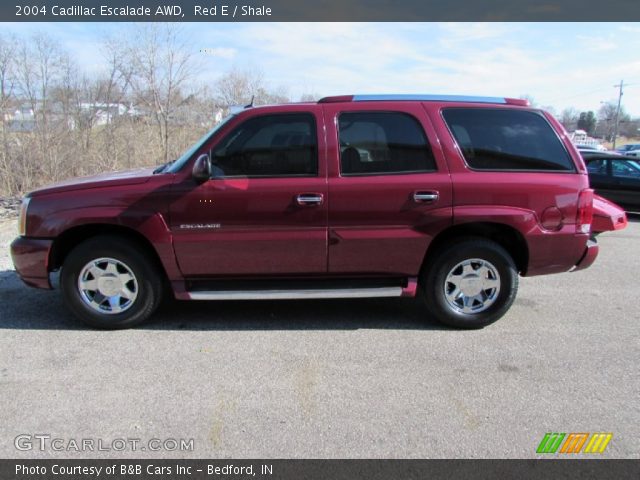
[202,169]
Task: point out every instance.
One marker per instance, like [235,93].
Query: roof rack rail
[425,98]
[336,99]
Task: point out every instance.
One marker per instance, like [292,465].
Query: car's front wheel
[470,283]
[107,282]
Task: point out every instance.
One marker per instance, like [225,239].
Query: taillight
[22,219]
[585,211]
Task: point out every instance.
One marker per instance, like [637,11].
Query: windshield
[184,158]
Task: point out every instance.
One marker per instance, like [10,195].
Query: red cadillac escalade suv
[448,197]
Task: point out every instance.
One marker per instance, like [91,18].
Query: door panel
[243,226]
[600,178]
[627,192]
[381,223]
[249,227]
[625,182]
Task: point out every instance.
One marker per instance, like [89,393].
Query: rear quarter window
[504,139]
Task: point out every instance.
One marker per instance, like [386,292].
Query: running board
[298,294]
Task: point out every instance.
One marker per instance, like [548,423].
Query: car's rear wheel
[470,283]
[108,283]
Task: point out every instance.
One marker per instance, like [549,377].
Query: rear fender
[547,251]
[521,219]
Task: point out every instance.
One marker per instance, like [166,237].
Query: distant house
[106,113]
[22,119]
[581,139]
[93,114]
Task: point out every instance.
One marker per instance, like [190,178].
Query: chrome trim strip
[297,294]
[429,98]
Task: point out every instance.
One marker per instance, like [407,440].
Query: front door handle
[309,199]
[425,197]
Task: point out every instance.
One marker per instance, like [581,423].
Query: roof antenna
[250,104]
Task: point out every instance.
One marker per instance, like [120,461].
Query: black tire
[434,283]
[148,278]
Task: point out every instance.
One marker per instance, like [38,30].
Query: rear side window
[625,168]
[501,139]
[382,143]
[269,146]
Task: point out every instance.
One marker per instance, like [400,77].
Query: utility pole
[615,128]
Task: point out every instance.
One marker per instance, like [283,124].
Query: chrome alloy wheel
[472,286]
[107,286]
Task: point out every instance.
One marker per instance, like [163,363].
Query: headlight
[22,220]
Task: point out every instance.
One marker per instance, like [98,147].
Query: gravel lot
[8,231]
[366,378]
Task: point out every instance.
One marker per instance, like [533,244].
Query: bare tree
[7,53]
[569,118]
[142,107]
[607,118]
[630,128]
[241,87]
[114,85]
[238,87]
[160,69]
[40,67]
[270,97]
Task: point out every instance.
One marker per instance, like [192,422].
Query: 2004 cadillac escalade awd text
[448,197]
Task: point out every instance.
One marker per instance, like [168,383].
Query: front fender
[151,225]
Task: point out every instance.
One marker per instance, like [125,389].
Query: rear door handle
[309,199]
[425,197]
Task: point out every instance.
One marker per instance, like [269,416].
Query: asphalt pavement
[329,379]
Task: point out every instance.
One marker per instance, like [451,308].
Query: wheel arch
[70,238]
[504,235]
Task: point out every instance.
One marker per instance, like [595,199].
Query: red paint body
[366,226]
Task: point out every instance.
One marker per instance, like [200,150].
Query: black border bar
[164,469]
[319,10]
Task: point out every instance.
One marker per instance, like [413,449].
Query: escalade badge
[198,226]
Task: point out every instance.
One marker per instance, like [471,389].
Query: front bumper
[31,258]
[589,256]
